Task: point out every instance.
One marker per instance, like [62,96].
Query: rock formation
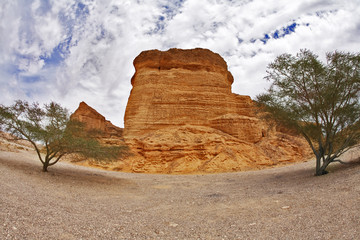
[94,120]
[182,117]
[180,87]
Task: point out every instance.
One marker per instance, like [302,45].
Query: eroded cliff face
[181,87]
[182,117]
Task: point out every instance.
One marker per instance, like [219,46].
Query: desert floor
[74,202]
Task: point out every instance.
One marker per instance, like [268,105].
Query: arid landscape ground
[75,202]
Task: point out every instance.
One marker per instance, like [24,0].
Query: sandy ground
[74,202]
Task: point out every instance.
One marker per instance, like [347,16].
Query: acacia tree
[51,132]
[320,101]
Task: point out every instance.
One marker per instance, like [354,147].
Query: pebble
[173,224]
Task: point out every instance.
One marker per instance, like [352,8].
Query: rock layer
[197,149]
[182,117]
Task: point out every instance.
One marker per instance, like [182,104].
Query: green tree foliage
[320,101]
[51,132]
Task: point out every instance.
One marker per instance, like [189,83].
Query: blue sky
[72,51]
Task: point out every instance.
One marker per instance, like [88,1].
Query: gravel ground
[74,202]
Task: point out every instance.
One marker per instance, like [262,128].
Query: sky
[71,51]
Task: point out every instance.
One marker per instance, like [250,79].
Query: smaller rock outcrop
[94,120]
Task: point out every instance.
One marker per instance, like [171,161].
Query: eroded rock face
[182,117]
[198,149]
[94,120]
[180,87]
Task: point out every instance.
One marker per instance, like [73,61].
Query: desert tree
[51,132]
[319,100]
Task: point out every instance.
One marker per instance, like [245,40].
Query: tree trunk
[45,166]
[320,169]
[318,165]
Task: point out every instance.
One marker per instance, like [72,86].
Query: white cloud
[84,50]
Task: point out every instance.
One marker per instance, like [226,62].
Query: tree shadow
[341,167]
[64,173]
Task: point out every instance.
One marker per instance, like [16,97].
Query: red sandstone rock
[198,149]
[181,117]
[94,120]
[180,87]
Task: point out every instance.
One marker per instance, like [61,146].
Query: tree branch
[58,158]
[338,160]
